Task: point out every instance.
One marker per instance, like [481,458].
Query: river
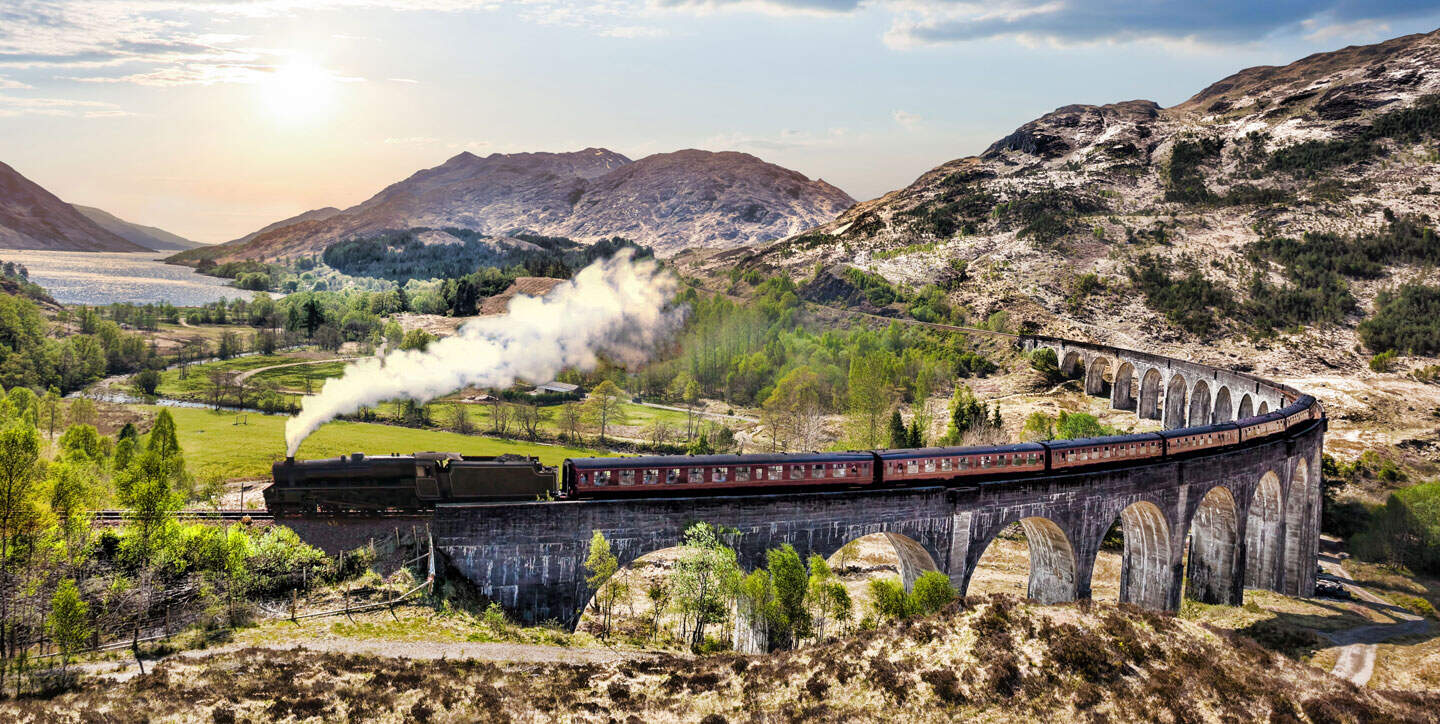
[98,278]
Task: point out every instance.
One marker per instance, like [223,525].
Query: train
[361,483]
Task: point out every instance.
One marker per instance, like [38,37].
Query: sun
[298,92]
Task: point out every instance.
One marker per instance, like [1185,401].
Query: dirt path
[702,413]
[421,650]
[1356,662]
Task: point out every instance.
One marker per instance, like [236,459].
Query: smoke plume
[616,307]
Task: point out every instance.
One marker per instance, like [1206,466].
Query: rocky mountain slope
[149,237]
[1073,222]
[33,218]
[668,201]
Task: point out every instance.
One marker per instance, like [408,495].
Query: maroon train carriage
[1085,452]
[1253,428]
[662,474]
[1203,437]
[929,464]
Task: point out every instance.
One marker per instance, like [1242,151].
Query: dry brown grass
[997,659]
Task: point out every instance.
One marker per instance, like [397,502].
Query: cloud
[1070,22]
[20,106]
[907,120]
[828,7]
[402,80]
[8,84]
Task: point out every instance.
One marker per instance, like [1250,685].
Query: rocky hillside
[33,218]
[1271,207]
[147,236]
[668,201]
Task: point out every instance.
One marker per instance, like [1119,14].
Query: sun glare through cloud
[299,92]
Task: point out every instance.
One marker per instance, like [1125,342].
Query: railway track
[120,516]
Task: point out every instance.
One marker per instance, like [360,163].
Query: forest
[402,255]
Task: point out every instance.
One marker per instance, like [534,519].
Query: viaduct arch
[1248,516]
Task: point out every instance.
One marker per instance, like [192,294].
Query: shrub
[932,591]
[1045,362]
[1408,319]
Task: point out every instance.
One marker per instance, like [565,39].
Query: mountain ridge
[150,237]
[32,217]
[667,201]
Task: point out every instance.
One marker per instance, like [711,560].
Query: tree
[1045,362]
[966,413]
[888,599]
[600,568]
[229,345]
[602,407]
[265,342]
[460,418]
[50,410]
[72,487]
[794,410]
[931,592]
[146,381]
[791,580]
[899,436]
[696,580]
[570,417]
[528,416]
[417,339]
[145,488]
[870,394]
[313,316]
[163,438]
[692,406]
[81,443]
[69,620]
[1038,427]
[825,597]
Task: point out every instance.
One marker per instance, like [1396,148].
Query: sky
[212,118]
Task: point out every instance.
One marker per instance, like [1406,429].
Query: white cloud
[907,120]
[8,84]
[21,106]
[402,80]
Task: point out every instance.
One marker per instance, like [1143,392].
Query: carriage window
[930,465]
[962,463]
[584,478]
[984,461]
[777,472]
[697,475]
[945,464]
[602,477]
[912,466]
[742,475]
[627,477]
[797,472]
[718,475]
[652,476]
[672,476]
[817,470]
[837,470]
[759,474]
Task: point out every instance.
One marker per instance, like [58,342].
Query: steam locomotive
[361,483]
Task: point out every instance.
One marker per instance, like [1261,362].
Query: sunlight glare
[298,92]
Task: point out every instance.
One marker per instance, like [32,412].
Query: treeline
[402,255]
[761,354]
[782,605]
[33,355]
[1406,320]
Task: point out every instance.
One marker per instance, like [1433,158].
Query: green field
[216,444]
[196,382]
[443,413]
[294,378]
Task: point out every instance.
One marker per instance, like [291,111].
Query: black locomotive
[403,482]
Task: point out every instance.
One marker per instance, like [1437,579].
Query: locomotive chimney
[289,459]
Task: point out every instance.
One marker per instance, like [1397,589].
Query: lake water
[79,277]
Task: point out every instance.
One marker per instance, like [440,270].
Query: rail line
[120,516]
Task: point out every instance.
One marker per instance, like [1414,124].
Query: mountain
[146,236]
[33,218]
[1276,203]
[668,201]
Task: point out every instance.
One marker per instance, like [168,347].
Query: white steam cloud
[617,307]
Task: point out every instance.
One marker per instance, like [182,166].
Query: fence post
[293,606]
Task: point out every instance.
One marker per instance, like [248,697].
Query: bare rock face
[33,218]
[668,201]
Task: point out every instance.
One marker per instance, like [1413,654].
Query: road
[1357,655]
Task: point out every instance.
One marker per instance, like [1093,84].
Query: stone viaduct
[1248,516]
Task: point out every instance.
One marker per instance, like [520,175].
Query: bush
[146,381]
[932,591]
[1405,530]
[1407,320]
[1191,302]
[1045,362]
[1382,362]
